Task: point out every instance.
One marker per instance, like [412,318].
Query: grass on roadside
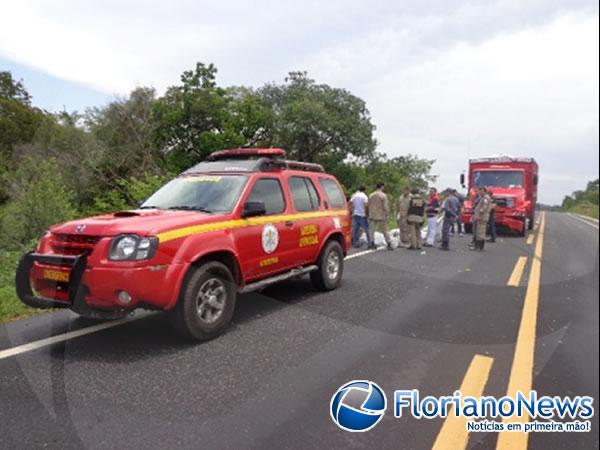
[585,209]
[10,306]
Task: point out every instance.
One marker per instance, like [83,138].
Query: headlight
[131,247]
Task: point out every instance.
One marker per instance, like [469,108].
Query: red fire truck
[512,182]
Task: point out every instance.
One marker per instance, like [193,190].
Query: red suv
[237,222]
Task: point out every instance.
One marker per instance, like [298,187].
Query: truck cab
[512,183]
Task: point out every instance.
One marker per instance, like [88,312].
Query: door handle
[289,223]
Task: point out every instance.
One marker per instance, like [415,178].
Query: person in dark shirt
[451,210]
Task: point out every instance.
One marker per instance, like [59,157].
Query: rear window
[304,194]
[333,192]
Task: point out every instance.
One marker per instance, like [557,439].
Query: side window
[268,191]
[314,195]
[304,194]
[333,192]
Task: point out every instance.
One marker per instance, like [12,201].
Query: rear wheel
[206,303]
[531,222]
[330,270]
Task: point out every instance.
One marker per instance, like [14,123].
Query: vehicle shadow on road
[152,335]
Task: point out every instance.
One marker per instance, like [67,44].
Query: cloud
[445,80]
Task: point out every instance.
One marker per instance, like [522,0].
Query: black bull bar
[76,290]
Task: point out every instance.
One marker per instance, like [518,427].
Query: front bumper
[65,280]
[511,222]
[57,281]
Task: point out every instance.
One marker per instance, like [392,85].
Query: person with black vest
[416,211]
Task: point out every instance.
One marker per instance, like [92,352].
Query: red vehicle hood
[143,222]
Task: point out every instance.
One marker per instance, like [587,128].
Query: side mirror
[535,180]
[462,180]
[253,209]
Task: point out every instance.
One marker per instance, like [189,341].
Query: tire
[531,222]
[468,228]
[206,302]
[330,265]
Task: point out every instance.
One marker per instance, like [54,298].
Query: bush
[10,306]
[128,193]
[585,208]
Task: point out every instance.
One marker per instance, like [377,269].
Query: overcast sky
[446,80]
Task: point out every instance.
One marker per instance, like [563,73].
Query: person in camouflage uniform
[379,214]
[481,216]
[403,205]
[416,212]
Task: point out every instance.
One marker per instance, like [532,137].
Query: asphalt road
[402,319]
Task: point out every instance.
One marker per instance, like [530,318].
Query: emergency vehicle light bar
[245,153]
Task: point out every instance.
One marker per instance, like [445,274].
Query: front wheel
[328,275]
[206,303]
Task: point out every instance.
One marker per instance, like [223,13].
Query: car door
[264,245]
[308,229]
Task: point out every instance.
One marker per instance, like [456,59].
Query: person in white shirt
[359,201]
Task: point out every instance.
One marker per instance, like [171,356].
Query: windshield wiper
[191,208]
[148,207]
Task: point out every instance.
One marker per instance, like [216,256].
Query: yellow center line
[517,273]
[530,238]
[521,374]
[454,435]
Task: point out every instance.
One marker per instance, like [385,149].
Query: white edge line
[588,218]
[587,222]
[30,346]
[364,252]
[13,351]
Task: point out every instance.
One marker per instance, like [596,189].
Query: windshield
[498,178]
[208,193]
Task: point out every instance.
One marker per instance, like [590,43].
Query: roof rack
[299,165]
[265,159]
[245,153]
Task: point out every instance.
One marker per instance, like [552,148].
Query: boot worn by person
[445,246]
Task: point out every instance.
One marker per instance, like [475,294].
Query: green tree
[318,123]
[12,89]
[192,119]
[126,128]
[18,122]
